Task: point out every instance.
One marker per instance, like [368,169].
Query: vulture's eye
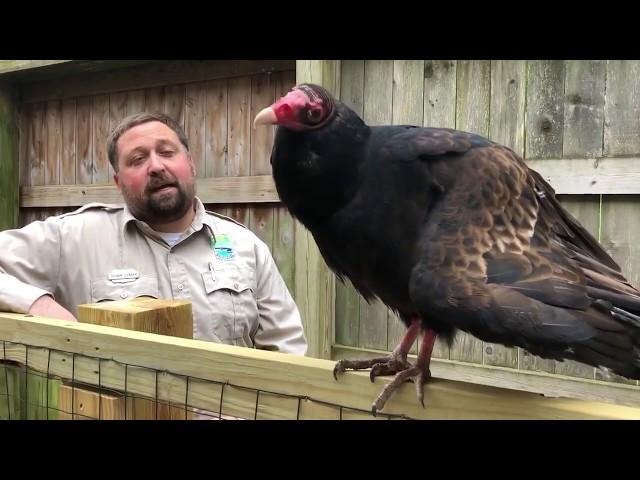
[314,114]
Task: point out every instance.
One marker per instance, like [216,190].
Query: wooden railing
[247,383]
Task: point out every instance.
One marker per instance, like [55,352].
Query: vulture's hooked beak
[265,117]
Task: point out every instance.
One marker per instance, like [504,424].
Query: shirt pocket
[234,311]
[105,290]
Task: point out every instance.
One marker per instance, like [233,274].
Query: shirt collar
[199,220]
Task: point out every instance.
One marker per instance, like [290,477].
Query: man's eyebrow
[164,141]
[135,150]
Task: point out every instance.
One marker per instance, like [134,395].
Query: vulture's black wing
[501,259]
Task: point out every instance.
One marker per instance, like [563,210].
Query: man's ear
[116,179]
[193,165]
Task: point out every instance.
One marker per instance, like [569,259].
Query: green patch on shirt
[223,246]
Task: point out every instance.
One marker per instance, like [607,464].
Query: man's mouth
[162,188]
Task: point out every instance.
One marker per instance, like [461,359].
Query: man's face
[156,174]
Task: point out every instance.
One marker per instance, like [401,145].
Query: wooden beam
[522,380]
[249,189]
[155,74]
[592,176]
[143,314]
[289,385]
[8,158]
[314,283]
[10,66]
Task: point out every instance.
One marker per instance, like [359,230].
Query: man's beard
[155,207]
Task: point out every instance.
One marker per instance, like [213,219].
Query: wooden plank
[84,141]
[37,147]
[68,160]
[53,123]
[117,108]
[545,109]
[544,383]
[270,405]
[379,109]
[347,316]
[283,245]
[439,93]
[154,99]
[314,283]
[194,121]
[164,363]
[8,66]
[83,404]
[621,108]
[24,113]
[135,102]
[174,103]
[378,92]
[9,155]
[284,228]
[261,220]
[239,212]
[591,176]
[506,126]
[263,89]
[117,113]
[100,132]
[473,92]
[10,404]
[142,314]
[408,92]
[507,109]
[216,163]
[583,108]
[473,89]
[250,189]
[239,136]
[156,74]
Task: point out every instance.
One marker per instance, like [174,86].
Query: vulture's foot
[417,373]
[389,365]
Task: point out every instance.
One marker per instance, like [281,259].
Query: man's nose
[155,162]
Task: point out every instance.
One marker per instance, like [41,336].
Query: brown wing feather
[506,262]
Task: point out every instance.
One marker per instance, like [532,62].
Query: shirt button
[180,287]
[123,295]
[235,285]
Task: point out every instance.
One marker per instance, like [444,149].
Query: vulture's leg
[419,373]
[396,362]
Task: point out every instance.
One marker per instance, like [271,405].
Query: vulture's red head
[305,107]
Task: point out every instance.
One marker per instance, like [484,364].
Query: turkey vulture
[453,232]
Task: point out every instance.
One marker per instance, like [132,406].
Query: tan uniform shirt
[101,252]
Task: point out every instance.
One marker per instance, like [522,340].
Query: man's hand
[46,306]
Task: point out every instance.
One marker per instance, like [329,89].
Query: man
[162,243]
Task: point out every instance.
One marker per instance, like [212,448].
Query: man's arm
[29,266]
[280,326]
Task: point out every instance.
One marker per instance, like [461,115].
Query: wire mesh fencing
[51,384]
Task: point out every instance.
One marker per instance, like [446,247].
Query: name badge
[124,276]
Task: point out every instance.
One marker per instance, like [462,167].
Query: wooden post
[163,317]
[314,289]
[9,188]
